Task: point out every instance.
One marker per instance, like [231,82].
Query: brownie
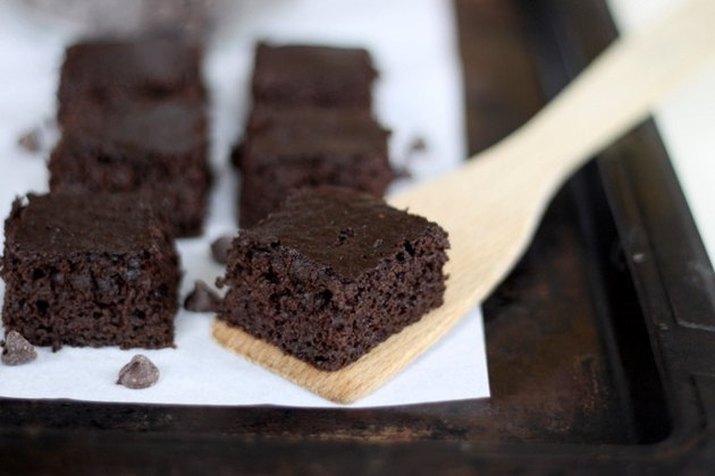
[289,148]
[110,71]
[333,273]
[313,75]
[89,270]
[159,148]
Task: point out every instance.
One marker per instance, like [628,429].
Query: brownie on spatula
[331,274]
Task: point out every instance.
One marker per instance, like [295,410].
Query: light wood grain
[492,205]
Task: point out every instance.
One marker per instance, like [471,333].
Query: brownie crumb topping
[139,373]
[17,350]
[202,298]
[220,247]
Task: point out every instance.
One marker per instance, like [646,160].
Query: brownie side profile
[333,273]
[310,75]
[89,270]
[289,148]
[158,148]
[111,71]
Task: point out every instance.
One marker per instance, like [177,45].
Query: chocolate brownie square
[313,75]
[110,71]
[333,273]
[286,149]
[89,270]
[159,148]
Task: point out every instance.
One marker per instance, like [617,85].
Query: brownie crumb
[17,350]
[220,247]
[140,372]
[202,298]
[31,140]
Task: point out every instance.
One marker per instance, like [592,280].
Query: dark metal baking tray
[601,343]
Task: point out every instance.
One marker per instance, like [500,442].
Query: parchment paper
[419,96]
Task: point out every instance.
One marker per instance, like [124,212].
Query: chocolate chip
[220,247]
[202,298]
[17,350]
[140,372]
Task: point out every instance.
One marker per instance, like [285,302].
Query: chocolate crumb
[140,372]
[202,298]
[418,144]
[17,350]
[220,247]
[31,140]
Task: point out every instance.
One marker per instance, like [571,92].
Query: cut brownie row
[133,120]
[311,125]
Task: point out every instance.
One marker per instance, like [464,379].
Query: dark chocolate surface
[281,133]
[349,232]
[148,65]
[74,223]
[141,127]
[313,75]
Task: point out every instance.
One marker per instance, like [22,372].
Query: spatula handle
[615,93]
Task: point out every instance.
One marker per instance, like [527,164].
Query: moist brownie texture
[333,273]
[111,71]
[313,75]
[289,148]
[89,270]
[158,148]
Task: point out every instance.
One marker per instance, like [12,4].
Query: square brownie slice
[89,270]
[286,149]
[158,148]
[333,273]
[111,71]
[311,75]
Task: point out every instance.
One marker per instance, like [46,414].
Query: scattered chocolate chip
[31,140]
[17,350]
[202,298]
[220,247]
[140,372]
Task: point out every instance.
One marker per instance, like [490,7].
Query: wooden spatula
[492,205]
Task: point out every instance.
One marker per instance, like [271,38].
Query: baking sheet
[685,122]
[419,95]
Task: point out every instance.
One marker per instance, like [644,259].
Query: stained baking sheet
[418,60]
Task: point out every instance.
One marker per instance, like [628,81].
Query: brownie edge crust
[331,274]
